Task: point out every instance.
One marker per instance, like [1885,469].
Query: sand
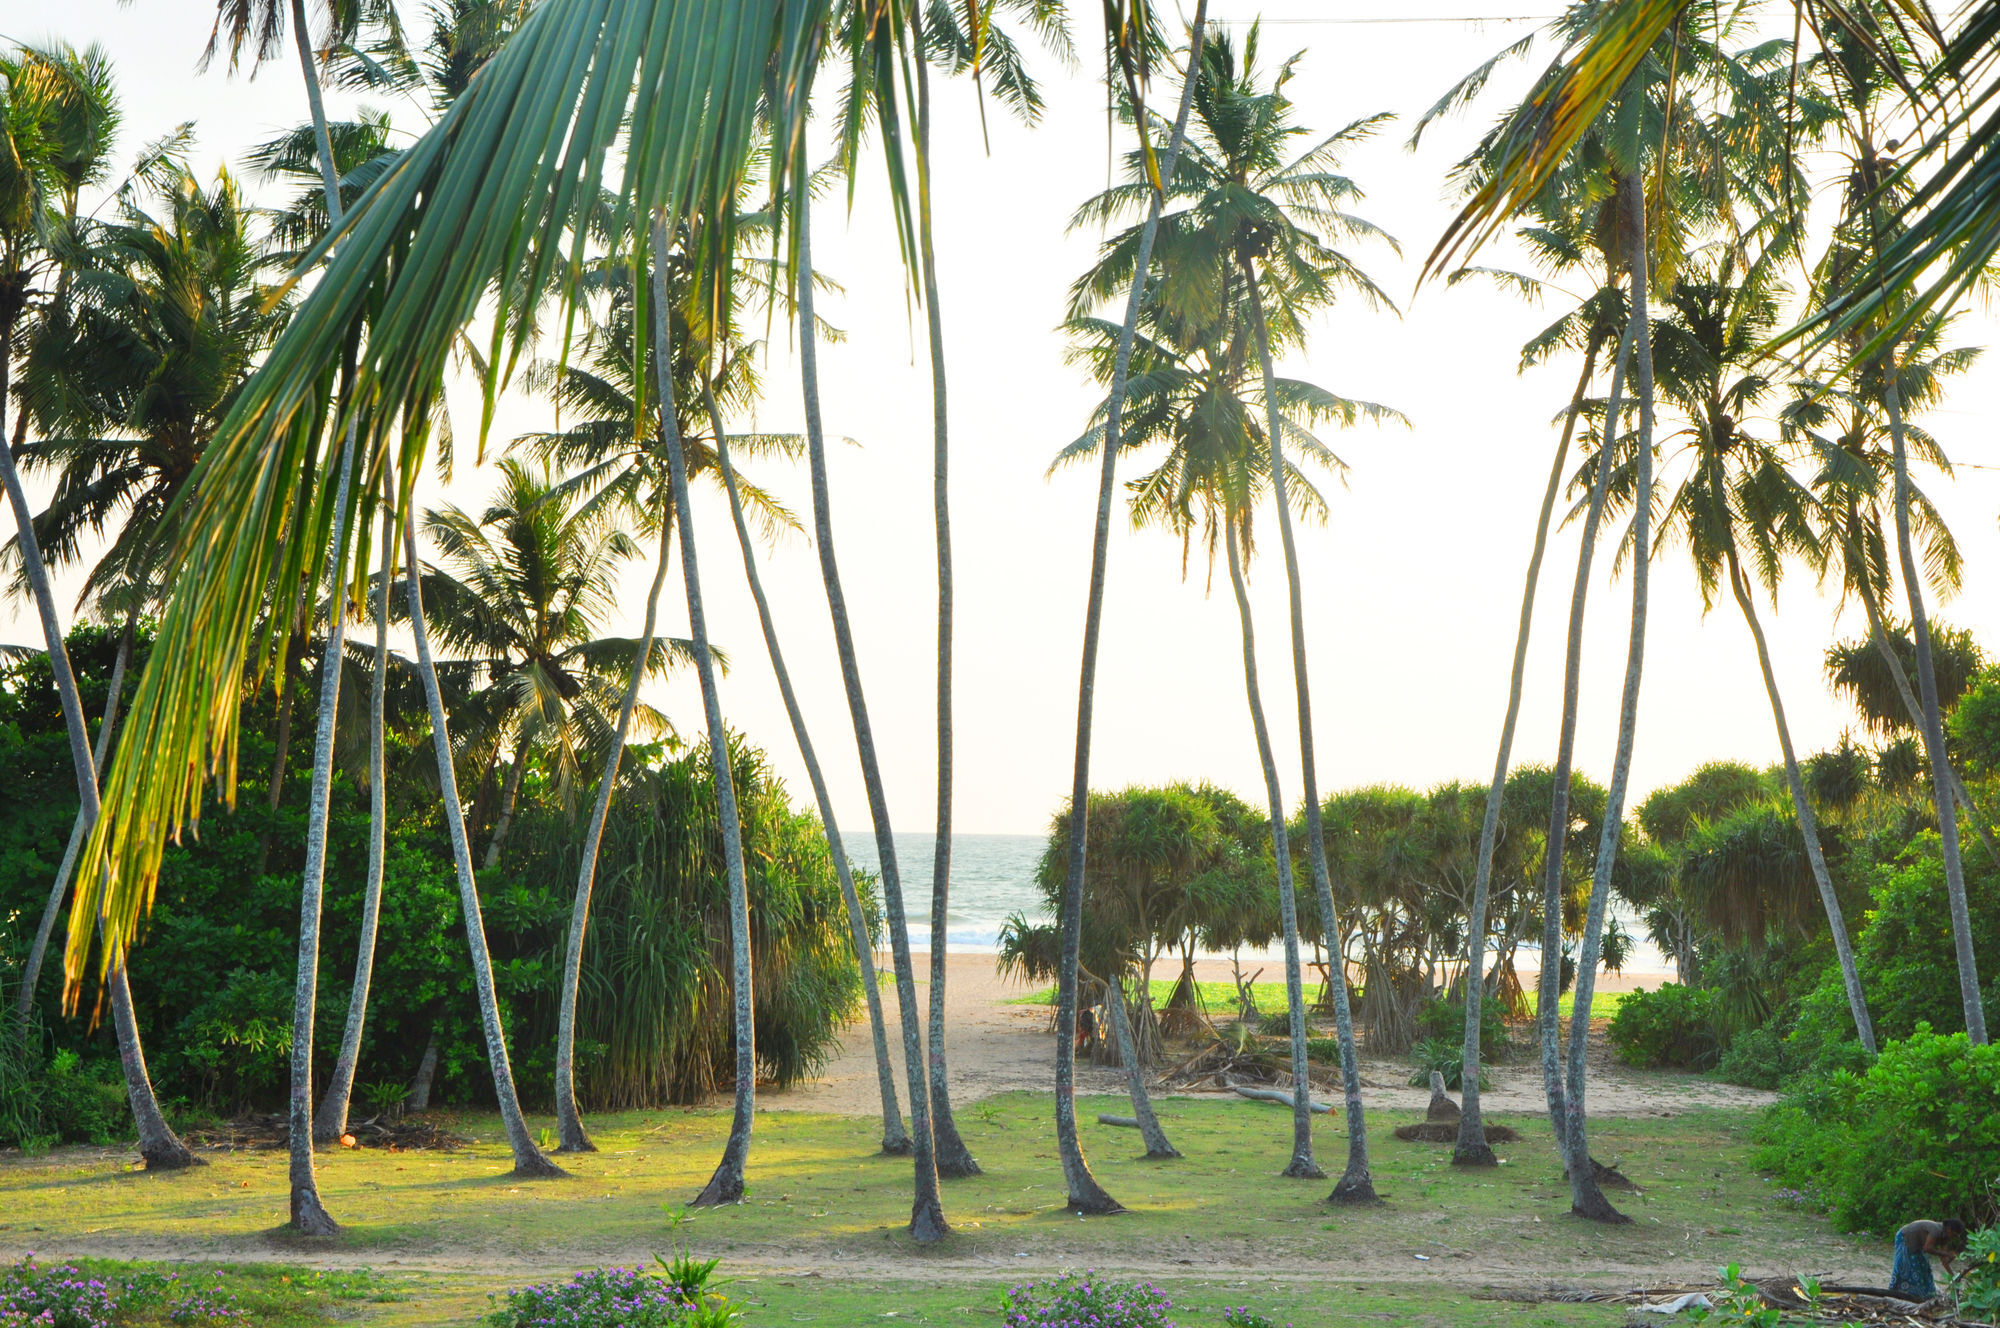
[997,1047]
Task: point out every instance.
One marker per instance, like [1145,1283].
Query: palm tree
[726,1185]
[57,113]
[927,1220]
[1085,1194]
[1276,220]
[1738,492]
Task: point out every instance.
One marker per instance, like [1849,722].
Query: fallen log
[1283,1099]
[1129,1122]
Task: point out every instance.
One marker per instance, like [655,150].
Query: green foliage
[1738,1302]
[610,1298]
[1919,1132]
[84,1101]
[1446,1020]
[1975,724]
[1673,1026]
[1979,1294]
[1446,1055]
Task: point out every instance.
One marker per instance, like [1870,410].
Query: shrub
[1672,1026]
[1446,1019]
[1919,1132]
[612,1298]
[1980,1296]
[1083,1298]
[1447,1057]
[85,1100]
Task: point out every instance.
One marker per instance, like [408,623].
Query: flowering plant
[611,1298]
[64,1296]
[1083,1300]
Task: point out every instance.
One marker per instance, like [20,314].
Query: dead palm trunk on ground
[1356,1185]
[953,1157]
[1472,1150]
[1302,1165]
[1850,976]
[529,1163]
[80,829]
[726,1185]
[1548,997]
[570,1133]
[1586,1196]
[927,1221]
[1933,728]
[308,1215]
[161,1148]
[331,1121]
[1158,1148]
[895,1140]
[1085,1194]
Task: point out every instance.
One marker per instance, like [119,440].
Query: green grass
[1603,1004]
[820,1235]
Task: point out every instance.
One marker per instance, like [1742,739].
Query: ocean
[994,875]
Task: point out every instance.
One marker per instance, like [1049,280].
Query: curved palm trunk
[1549,988]
[569,1121]
[1085,1194]
[1356,1184]
[1158,1148]
[1586,1197]
[1302,1165]
[510,794]
[927,1222]
[953,1157]
[1933,730]
[331,1120]
[895,1139]
[1915,710]
[161,1148]
[309,1215]
[80,830]
[529,1162]
[1843,949]
[726,1185]
[1472,1150]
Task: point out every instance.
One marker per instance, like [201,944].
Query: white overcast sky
[1411,591]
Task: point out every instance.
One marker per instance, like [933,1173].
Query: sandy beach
[997,1047]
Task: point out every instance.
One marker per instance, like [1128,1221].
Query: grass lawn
[820,1235]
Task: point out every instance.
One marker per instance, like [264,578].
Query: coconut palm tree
[1271,220]
[58,113]
[1085,1194]
[1738,501]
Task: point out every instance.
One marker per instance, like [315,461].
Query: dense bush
[1919,1132]
[1980,1296]
[1085,1298]
[1446,1055]
[1673,1026]
[1446,1019]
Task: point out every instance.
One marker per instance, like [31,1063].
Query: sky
[1411,589]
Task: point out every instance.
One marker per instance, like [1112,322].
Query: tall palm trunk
[1933,728]
[1843,949]
[309,1215]
[953,1157]
[330,1122]
[726,1185]
[1914,709]
[529,1162]
[510,795]
[895,1139]
[1302,1165]
[1472,1149]
[1549,989]
[927,1222]
[1085,1194]
[80,830]
[1586,1197]
[1158,1146]
[161,1148]
[1356,1184]
[569,1121]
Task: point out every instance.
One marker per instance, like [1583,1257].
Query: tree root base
[1473,1155]
[1303,1168]
[721,1189]
[170,1156]
[580,1144]
[535,1165]
[309,1216]
[897,1147]
[1355,1191]
[1167,1154]
[1600,1211]
[958,1168]
[927,1224]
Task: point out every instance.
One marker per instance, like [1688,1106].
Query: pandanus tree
[1260,216]
[57,117]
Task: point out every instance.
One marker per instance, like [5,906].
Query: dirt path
[996,1047]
